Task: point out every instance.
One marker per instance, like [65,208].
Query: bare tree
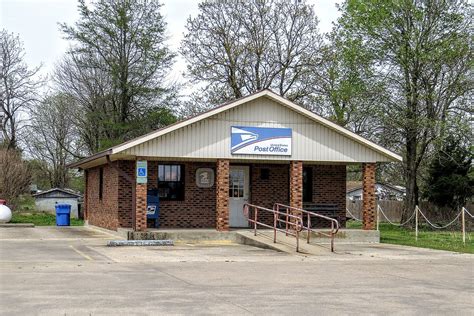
[53,137]
[234,48]
[91,90]
[17,88]
[15,176]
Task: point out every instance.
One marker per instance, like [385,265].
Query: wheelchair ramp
[264,239]
[318,245]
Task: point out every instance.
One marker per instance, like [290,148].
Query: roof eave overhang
[86,160]
[120,149]
[178,125]
[389,154]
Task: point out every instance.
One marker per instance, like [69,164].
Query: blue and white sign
[142,171]
[260,141]
[150,210]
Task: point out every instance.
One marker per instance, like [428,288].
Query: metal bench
[329,210]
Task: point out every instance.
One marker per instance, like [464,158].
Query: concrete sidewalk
[52,271]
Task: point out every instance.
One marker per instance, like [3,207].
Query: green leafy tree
[346,88]
[116,67]
[422,51]
[451,176]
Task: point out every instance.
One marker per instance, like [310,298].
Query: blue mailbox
[153,207]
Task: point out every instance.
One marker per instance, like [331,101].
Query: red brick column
[368,196]
[86,196]
[140,205]
[222,195]
[296,184]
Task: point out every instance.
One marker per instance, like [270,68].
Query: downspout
[132,182]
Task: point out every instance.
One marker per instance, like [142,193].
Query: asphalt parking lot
[70,271]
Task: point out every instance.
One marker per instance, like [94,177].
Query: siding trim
[274,97]
[183,125]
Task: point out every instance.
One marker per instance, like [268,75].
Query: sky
[36,22]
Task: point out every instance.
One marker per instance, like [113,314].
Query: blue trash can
[63,215]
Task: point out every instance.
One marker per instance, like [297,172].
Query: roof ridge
[229,105]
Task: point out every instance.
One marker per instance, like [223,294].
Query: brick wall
[197,210]
[222,195]
[102,212]
[329,187]
[86,177]
[296,184]
[140,207]
[125,197]
[368,196]
[272,190]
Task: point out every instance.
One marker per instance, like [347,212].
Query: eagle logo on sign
[245,136]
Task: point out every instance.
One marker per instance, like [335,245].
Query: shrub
[15,176]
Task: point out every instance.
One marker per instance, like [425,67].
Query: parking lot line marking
[206,242]
[81,253]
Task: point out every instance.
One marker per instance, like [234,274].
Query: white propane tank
[5,214]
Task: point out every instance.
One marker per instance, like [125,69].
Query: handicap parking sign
[142,171]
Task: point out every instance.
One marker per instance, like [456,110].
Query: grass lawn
[25,203]
[442,240]
[26,213]
[41,219]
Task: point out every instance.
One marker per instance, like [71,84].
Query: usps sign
[260,141]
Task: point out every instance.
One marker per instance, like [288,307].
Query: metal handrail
[334,222]
[297,223]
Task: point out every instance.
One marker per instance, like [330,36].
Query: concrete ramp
[264,239]
[318,246]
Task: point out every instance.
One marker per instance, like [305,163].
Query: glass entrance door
[238,195]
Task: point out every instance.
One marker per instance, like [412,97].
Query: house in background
[383,191]
[47,200]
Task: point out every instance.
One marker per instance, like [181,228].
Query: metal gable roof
[119,149]
[65,191]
